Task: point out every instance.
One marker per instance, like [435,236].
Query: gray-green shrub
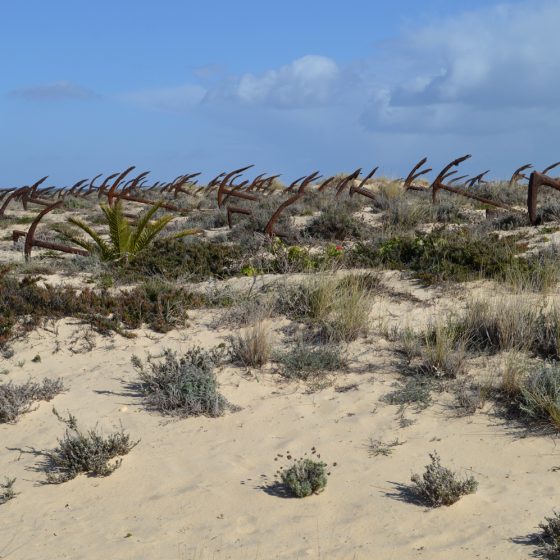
[183,386]
[439,486]
[85,452]
[18,399]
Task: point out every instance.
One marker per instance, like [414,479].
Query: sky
[291,87]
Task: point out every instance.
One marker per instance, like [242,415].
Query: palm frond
[119,229]
[150,231]
[142,224]
[101,245]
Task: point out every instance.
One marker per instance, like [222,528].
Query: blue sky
[178,86]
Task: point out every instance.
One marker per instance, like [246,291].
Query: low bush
[439,486]
[18,399]
[550,539]
[194,259]
[85,452]
[183,386]
[377,447]
[304,477]
[305,361]
[506,324]
[445,256]
[335,223]
[25,305]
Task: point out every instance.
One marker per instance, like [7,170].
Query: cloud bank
[57,91]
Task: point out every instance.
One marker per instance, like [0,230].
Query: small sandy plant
[304,476]
[7,491]
[85,452]
[377,447]
[18,399]
[549,540]
[183,386]
[439,486]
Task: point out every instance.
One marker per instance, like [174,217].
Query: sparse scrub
[25,305]
[439,486]
[253,347]
[18,399]
[415,390]
[510,324]
[85,452]
[376,447]
[185,386]
[7,491]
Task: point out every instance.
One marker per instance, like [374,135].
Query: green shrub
[197,260]
[85,452]
[18,399]
[304,477]
[445,256]
[185,386]
[439,486]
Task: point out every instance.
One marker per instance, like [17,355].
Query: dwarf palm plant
[125,239]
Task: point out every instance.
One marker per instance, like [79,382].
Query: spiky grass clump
[539,397]
[443,353]
[439,486]
[304,477]
[86,452]
[183,386]
[18,399]
[339,308]
[253,347]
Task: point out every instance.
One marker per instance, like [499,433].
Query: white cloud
[484,82]
[309,80]
[54,92]
[178,99]
[491,70]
